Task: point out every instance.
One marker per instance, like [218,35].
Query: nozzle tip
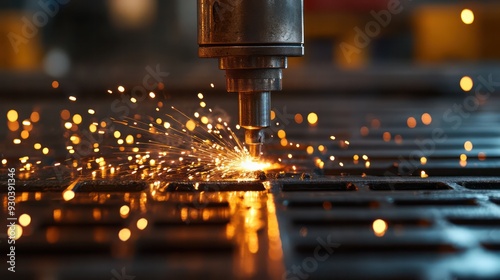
[254,138]
[255,150]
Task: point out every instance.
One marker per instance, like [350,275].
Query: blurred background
[366,46]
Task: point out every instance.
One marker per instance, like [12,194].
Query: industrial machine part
[252,39]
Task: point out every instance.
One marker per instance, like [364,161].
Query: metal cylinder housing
[250,27]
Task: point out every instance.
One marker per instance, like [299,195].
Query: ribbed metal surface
[311,223]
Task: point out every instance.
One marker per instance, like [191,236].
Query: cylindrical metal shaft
[252,39]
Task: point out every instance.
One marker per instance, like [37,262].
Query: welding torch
[252,40]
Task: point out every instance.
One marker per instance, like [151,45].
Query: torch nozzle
[254,139]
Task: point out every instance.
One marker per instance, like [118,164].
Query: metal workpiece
[252,39]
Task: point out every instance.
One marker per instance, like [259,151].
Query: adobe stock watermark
[220,7]
[454,116]
[309,265]
[47,9]
[122,275]
[372,29]
[281,120]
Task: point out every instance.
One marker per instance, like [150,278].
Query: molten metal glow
[248,164]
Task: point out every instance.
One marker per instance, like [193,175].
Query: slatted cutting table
[314,221]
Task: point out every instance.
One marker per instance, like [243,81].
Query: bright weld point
[109,91]
[212,85]
[129,139]
[190,125]
[321,148]
[16,141]
[365,157]
[133,100]
[200,95]
[281,134]
[152,95]
[466,83]
[12,115]
[24,220]
[117,134]
[166,125]
[120,89]
[142,223]
[124,234]
[45,151]
[312,118]
[355,157]
[124,210]
[68,195]
[55,84]
[332,158]
[463,157]
[423,174]
[310,150]
[203,104]
[423,160]
[15,231]
[426,118]
[26,123]
[290,156]
[204,120]
[68,125]
[467,16]
[249,164]
[379,227]
[72,98]
[77,119]
[468,146]
[91,111]
[411,122]
[332,137]
[4,161]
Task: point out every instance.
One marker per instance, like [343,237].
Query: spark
[379,227]
[312,118]
[183,147]
[467,16]
[12,115]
